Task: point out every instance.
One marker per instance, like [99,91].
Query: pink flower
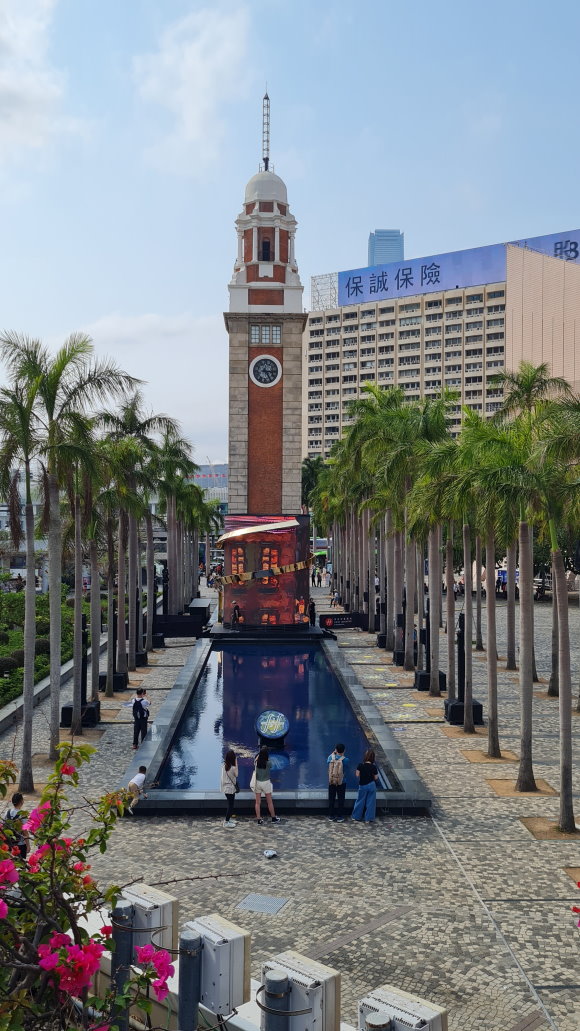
[79,867]
[67,769]
[161,990]
[144,953]
[36,818]
[35,857]
[162,963]
[8,872]
[107,930]
[59,939]
[3,910]
[49,962]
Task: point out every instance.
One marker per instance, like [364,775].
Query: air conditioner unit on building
[155,916]
[225,963]
[313,987]
[407,1012]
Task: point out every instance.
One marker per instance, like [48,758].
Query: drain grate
[262,903]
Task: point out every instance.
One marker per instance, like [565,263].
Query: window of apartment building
[365,326]
[384,362]
[435,357]
[407,372]
[452,300]
[472,366]
[367,364]
[349,341]
[474,379]
[385,375]
[433,331]
[409,307]
[312,419]
[406,334]
[367,350]
[349,315]
[331,431]
[367,339]
[475,311]
[411,360]
[314,382]
[332,379]
[409,347]
[495,309]
[496,293]
[315,320]
[314,393]
[433,304]
[349,354]
[492,406]
[332,318]
[454,381]
[349,390]
[473,393]
[349,379]
[331,405]
[431,383]
[452,341]
[474,325]
[494,350]
[387,322]
[313,332]
[453,314]
[332,418]
[315,408]
[454,328]
[494,336]
[474,352]
[386,336]
[387,349]
[473,298]
[333,368]
[494,391]
[331,393]
[432,370]
[365,376]
[385,311]
[474,339]
[410,320]
[498,363]
[348,366]
[315,368]
[452,354]
[369,313]
[453,368]
[332,354]
[435,316]
[334,331]
[475,407]
[495,322]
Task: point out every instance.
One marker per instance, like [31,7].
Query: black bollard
[461,658]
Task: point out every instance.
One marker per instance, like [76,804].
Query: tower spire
[266,131]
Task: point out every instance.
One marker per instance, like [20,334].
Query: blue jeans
[365,800]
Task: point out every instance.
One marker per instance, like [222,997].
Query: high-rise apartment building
[386,245]
[448,321]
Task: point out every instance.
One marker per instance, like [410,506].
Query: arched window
[265,250]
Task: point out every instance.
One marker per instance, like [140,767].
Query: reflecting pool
[238,683]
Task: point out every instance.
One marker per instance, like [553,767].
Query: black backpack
[138,710]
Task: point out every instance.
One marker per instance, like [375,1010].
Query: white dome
[266,186]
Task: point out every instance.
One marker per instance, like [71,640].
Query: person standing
[366,801]
[337,763]
[12,831]
[261,784]
[318,578]
[229,786]
[140,709]
[313,577]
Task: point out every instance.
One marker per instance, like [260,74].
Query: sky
[129,128]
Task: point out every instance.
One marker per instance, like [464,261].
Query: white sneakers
[230,824]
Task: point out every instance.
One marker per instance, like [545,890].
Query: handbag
[237,786]
[253,781]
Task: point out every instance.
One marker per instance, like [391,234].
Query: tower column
[255,243]
[240,246]
[291,250]
[277,243]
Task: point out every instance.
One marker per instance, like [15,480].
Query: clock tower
[265,323]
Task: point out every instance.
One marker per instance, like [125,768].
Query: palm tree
[311,469]
[19,447]
[175,463]
[67,383]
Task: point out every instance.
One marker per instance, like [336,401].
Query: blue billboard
[451,271]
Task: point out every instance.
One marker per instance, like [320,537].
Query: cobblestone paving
[463,907]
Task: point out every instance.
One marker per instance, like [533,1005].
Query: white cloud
[31,89]
[198,69]
[184,360]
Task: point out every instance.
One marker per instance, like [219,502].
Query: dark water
[238,683]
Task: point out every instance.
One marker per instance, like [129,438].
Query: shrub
[4,637]
[7,664]
[18,656]
[42,646]
[42,626]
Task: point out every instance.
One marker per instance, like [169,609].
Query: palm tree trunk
[566,823]
[95,619]
[77,721]
[121,594]
[390,593]
[109,692]
[382,578]
[54,606]
[420,592]
[450,581]
[173,600]
[511,606]
[526,780]
[434,602]
[398,580]
[554,685]
[410,570]
[132,593]
[493,748]
[140,589]
[26,781]
[151,589]
[468,725]
[478,634]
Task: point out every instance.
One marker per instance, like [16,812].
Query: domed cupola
[265,277]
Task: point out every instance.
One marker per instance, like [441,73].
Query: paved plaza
[464,907]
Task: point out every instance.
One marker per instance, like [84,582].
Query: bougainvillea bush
[47,957]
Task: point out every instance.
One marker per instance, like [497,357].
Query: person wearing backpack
[337,763]
[140,709]
[12,831]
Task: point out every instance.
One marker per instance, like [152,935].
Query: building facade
[386,245]
[425,335]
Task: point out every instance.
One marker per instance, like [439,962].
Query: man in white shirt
[135,786]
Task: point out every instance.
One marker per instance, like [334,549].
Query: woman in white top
[229,781]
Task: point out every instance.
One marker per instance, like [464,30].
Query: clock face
[265,370]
